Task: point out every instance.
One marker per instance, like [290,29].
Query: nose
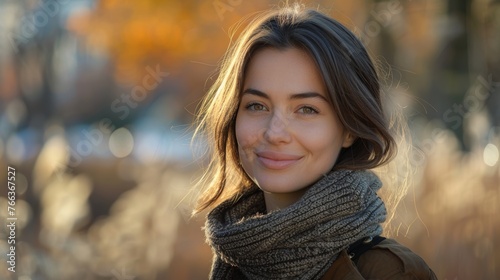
[277,131]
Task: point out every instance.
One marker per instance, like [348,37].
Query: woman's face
[287,131]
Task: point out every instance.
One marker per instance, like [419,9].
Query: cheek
[247,133]
[323,141]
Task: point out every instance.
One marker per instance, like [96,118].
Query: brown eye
[307,110]
[255,107]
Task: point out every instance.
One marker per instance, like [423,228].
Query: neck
[277,201]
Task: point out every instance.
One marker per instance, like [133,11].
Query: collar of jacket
[343,268]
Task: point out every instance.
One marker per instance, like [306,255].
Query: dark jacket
[386,260]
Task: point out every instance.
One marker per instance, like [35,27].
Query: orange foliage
[172,33]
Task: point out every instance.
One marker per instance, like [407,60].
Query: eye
[308,110]
[255,107]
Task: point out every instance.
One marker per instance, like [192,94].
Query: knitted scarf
[297,242]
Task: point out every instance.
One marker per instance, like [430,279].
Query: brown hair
[350,78]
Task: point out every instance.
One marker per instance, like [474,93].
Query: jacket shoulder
[391,260]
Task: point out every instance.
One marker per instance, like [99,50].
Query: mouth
[277,161]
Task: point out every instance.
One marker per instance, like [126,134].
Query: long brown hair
[350,78]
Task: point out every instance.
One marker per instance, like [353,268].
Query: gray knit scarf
[297,242]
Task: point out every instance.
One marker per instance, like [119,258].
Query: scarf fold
[297,242]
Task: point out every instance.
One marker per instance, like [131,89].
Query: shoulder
[391,260]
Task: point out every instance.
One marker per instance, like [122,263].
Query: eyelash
[252,105]
[314,111]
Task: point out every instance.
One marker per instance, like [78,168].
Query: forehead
[283,71]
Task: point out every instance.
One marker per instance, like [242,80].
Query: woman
[295,120]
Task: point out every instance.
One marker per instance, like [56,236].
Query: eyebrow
[301,95]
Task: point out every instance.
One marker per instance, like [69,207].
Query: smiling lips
[277,161]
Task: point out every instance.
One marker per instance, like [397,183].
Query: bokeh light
[491,154]
[15,149]
[121,142]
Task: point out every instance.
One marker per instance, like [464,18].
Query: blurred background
[97,99]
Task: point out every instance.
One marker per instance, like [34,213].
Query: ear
[348,140]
